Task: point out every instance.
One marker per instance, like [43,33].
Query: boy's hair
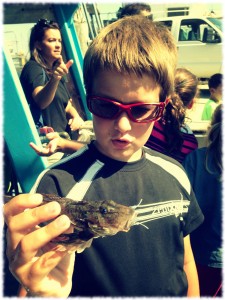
[215,80]
[133,45]
[132,9]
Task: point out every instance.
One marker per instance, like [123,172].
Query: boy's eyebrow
[105,96]
[100,95]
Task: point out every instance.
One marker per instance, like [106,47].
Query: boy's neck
[214,99]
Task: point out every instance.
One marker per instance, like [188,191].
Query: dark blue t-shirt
[54,115]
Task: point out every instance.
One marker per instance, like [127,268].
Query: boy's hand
[43,268]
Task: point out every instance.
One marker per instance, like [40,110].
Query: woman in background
[43,80]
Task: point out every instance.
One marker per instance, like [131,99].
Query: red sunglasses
[137,112]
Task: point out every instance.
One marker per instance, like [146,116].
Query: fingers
[47,262]
[51,147]
[40,150]
[69,63]
[60,68]
[52,135]
[44,278]
[35,147]
[75,123]
[31,255]
[19,203]
[29,218]
[32,242]
[22,222]
[54,145]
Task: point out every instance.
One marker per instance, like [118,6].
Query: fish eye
[103,210]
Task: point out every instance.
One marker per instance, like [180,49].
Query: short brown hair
[135,45]
[132,9]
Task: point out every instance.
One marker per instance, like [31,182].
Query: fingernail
[62,221]
[53,207]
[36,198]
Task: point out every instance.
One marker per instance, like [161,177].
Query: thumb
[69,63]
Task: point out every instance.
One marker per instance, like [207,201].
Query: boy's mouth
[119,143]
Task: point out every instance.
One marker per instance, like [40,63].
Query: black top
[32,76]
[143,261]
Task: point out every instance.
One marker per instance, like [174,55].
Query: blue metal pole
[64,14]
[19,128]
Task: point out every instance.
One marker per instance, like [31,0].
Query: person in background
[55,143]
[204,169]
[215,89]
[171,135]
[43,80]
[131,9]
[127,90]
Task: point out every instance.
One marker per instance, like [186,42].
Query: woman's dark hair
[37,35]
[213,159]
[185,90]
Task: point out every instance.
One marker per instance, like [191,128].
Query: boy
[132,9]
[215,89]
[129,75]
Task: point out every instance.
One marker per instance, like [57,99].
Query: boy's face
[121,138]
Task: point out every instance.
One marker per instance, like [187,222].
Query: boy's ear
[212,90]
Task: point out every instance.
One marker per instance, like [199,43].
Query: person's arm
[57,144]
[42,268]
[75,121]
[190,269]
[44,95]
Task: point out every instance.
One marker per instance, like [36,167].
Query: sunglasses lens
[103,108]
[145,112]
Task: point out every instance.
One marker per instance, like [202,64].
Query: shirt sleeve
[31,77]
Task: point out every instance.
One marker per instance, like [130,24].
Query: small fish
[92,219]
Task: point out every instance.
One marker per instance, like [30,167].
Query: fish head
[112,218]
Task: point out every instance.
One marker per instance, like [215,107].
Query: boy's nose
[123,123]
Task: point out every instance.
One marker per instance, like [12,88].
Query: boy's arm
[190,269]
